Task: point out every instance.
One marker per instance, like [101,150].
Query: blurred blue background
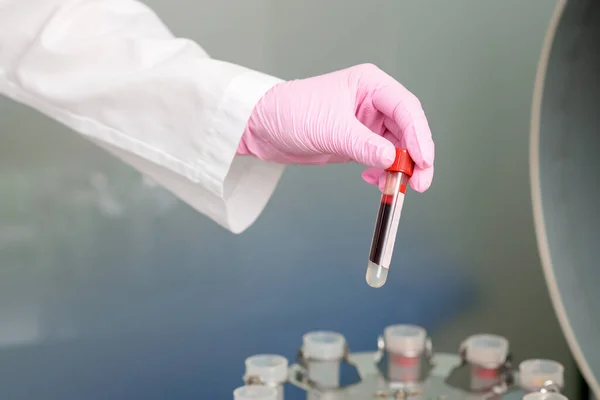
[112,288]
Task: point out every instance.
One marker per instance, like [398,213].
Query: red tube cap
[403,163]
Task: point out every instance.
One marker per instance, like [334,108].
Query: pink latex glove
[357,114]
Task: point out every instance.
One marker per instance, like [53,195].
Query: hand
[357,114]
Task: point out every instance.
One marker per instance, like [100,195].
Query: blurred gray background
[112,288]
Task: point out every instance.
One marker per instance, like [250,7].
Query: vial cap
[255,392]
[403,163]
[544,396]
[487,351]
[533,374]
[323,345]
[407,340]
[270,368]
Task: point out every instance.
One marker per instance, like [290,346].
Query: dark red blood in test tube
[387,199]
[404,360]
[486,373]
[405,369]
[384,220]
[403,164]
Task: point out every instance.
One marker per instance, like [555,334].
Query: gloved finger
[335,159]
[371,175]
[366,147]
[404,109]
[421,179]
[399,139]
[374,176]
[424,176]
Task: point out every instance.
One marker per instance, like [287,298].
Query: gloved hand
[357,114]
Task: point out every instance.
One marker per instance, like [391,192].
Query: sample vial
[388,218]
[486,354]
[535,374]
[255,392]
[404,345]
[544,396]
[324,352]
[270,369]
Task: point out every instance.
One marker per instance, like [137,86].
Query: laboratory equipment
[405,366]
[268,369]
[322,353]
[404,345]
[255,392]
[544,396]
[486,355]
[388,218]
[564,175]
[540,374]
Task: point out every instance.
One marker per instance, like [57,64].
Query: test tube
[404,345]
[486,354]
[270,369]
[255,392]
[324,352]
[536,374]
[388,218]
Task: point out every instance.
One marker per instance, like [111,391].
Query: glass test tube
[486,354]
[270,369]
[388,218]
[255,392]
[404,345]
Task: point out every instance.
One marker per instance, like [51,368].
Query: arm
[111,70]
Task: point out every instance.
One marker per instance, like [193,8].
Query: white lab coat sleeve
[112,71]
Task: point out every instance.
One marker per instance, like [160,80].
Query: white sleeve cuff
[220,139]
[248,182]
[231,190]
[248,187]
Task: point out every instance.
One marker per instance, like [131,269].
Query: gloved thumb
[368,148]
